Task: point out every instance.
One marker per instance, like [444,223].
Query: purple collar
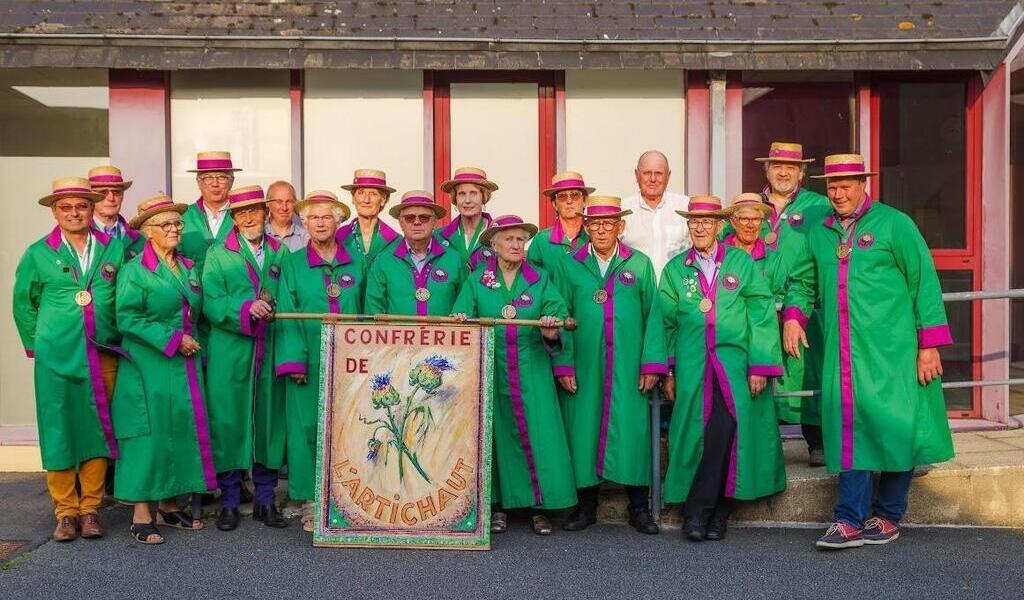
[864,207]
[449,230]
[759,251]
[436,248]
[152,262]
[314,259]
[691,255]
[53,240]
[624,252]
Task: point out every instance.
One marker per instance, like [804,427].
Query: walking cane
[569,324]
[656,453]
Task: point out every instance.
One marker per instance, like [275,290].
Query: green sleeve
[376,300]
[534,255]
[222,308]
[135,321]
[466,301]
[764,355]
[915,261]
[27,290]
[561,350]
[802,285]
[668,301]
[653,359]
[290,352]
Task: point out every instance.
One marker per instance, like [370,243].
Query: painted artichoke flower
[428,373]
[374,449]
[383,393]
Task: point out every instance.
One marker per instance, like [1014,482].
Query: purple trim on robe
[530,274]
[386,232]
[582,254]
[758,252]
[449,230]
[101,236]
[99,391]
[198,408]
[792,313]
[30,353]
[609,370]
[290,368]
[730,403]
[765,370]
[272,241]
[245,319]
[149,257]
[172,344]
[133,234]
[933,337]
[231,241]
[563,371]
[518,409]
[653,369]
[53,239]
[557,233]
[845,366]
[624,251]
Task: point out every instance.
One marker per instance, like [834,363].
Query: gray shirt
[296,237]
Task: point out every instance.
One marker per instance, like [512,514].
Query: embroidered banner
[404,441]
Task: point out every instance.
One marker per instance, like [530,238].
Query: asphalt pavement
[605,561]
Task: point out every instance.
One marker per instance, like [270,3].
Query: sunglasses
[417,219]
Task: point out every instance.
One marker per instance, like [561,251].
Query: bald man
[654,228]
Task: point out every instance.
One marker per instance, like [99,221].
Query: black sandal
[177,519]
[499,522]
[142,532]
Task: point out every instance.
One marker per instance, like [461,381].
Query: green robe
[384,238]
[306,277]
[452,236]
[790,228]
[608,420]
[548,246]
[392,281]
[72,407]
[531,466]
[880,305]
[132,240]
[245,399]
[159,408]
[737,338]
[196,237]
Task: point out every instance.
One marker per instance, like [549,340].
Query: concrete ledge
[20,459]
[983,485]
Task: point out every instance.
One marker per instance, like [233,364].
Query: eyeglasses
[702,223]
[169,226]
[319,218]
[603,224]
[748,220]
[417,219]
[571,195]
[73,208]
[218,178]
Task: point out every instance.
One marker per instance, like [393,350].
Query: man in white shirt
[654,228]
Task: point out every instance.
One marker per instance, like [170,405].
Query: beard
[784,187]
[253,234]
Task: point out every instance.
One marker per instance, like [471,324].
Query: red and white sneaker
[839,536]
[879,530]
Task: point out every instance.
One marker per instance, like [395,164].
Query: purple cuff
[765,370]
[792,313]
[30,353]
[671,362]
[564,371]
[245,319]
[933,337]
[653,369]
[290,368]
[172,344]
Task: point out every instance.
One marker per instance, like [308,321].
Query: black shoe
[695,530]
[227,520]
[643,522]
[269,515]
[816,457]
[579,520]
[716,528]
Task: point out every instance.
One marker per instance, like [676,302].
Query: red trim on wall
[296,90]
[697,144]
[140,102]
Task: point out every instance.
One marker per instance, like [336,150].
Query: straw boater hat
[704,206]
[844,165]
[213,161]
[101,178]
[604,207]
[70,187]
[506,222]
[417,198]
[369,178]
[749,200]
[785,152]
[569,180]
[469,175]
[246,196]
[322,197]
[150,207]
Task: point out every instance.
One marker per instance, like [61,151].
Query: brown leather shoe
[67,529]
[91,527]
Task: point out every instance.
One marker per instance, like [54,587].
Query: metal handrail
[982,295]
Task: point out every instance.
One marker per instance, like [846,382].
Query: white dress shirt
[659,232]
[602,264]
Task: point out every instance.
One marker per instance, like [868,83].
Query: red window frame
[550,91]
[968,258]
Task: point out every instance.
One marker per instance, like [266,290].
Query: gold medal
[422,294]
[83,298]
[266,296]
[508,311]
[705,305]
[600,296]
[842,251]
[770,238]
[333,290]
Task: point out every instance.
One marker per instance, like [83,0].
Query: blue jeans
[854,503]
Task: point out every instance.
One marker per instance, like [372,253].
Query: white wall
[611,117]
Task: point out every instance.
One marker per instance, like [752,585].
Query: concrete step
[983,486]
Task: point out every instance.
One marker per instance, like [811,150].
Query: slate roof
[346,33]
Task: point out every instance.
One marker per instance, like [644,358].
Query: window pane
[816,115]
[956,359]
[922,157]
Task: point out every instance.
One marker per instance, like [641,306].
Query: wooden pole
[568,324]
